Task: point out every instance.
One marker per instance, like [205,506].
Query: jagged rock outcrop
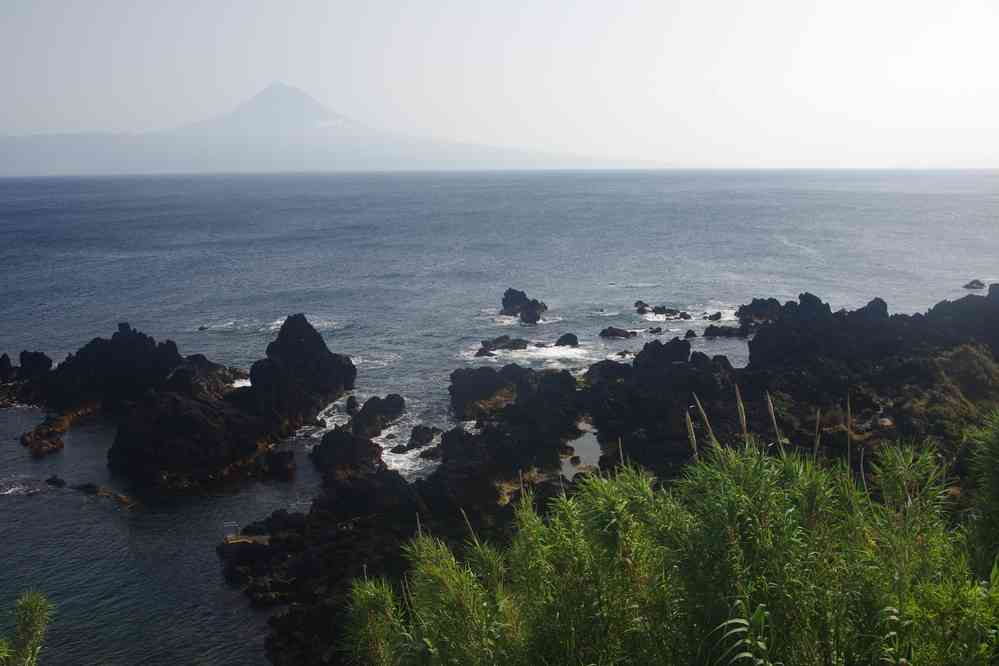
[299,377]
[376,414]
[190,431]
[111,371]
[517,304]
[34,365]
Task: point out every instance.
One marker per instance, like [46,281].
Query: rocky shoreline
[181,423]
[838,381]
[903,376]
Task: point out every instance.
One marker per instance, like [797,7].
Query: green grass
[753,556]
[31,619]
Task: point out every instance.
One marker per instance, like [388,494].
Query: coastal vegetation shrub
[32,613]
[754,555]
[984,442]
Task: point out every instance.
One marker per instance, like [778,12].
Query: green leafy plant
[31,619]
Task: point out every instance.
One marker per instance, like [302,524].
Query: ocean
[403,272]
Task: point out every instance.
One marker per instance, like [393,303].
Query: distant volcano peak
[277,109]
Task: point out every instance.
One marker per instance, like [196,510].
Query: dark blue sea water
[403,272]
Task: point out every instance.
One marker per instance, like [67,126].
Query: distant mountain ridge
[280,129]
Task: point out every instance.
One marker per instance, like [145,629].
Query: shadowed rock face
[299,377]
[194,430]
[173,440]
[34,365]
[7,372]
[112,370]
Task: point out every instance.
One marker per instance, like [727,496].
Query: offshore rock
[376,414]
[614,332]
[567,340]
[299,377]
[517,304]
[504,342]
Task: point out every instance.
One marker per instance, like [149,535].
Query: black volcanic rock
[759,311]
[34,365]
[197,377]
[656,355]
[614,332]
[517,304]
[420,437]
[113,370]
[690,334]
[344,452]
[608,371]
[173,440]
[513,301]
[194,429]
[351,406]
[531,313]
[975,284]
[376,414]
[714,331]
[299,377]
[6,369]
[504,342]
[477,391]
[567,340]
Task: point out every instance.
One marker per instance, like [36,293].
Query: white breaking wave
[376,359]
[811,251]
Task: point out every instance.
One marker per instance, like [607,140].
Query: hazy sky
[692,83]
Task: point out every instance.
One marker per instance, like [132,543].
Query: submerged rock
[975,284]
[56,481]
